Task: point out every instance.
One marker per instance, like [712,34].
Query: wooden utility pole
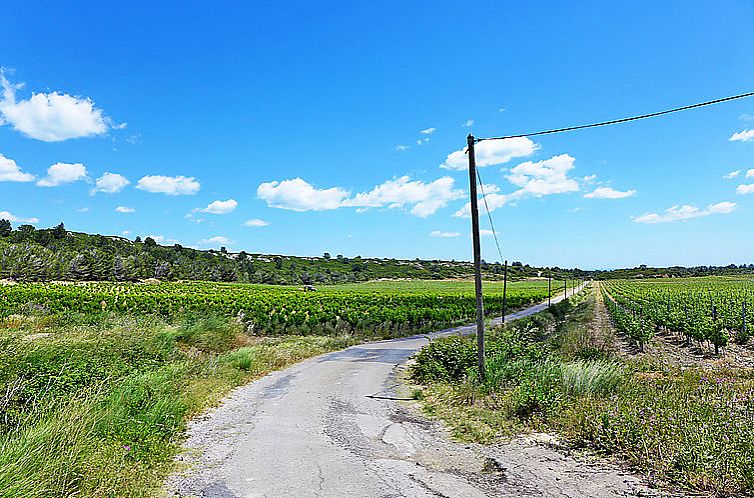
[505,288]
[470,141]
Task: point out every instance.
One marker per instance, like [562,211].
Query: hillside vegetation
[29,254]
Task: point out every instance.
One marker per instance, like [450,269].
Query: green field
[97,380]
[707,310]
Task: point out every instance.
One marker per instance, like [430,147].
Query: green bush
[445,359]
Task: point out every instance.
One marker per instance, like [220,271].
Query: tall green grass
[96,407]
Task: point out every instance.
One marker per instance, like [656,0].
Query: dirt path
[339,425]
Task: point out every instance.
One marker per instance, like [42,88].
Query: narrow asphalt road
[335,426]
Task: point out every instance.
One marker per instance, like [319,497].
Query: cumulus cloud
[745,189]
[7,215]
[546,177]
[750,173]
[170,185]
[732,174]
[424,198]
[256,223]
[491,152]
[609,193]
[219,207]
[62,173]
[534,179]
[124,209]
[438,233]
[299,195]
[742,136]
[11,172]
[217,240]
[686,212]
[51,117]
[110,183]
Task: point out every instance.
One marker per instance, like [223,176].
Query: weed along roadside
[560,373]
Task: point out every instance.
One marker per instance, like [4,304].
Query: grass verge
[97,407]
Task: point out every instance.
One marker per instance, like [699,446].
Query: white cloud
[110,183]
[546,177]
[124,209]
[609,193]
[438,233]
[428,131]
[491,152]
[422,141]
[217,240]
[7,215]
[486,233]
[502,109]
[742,136]
[51,117]
[469,123]
[83,210]
[219,207]
[746,117]
[732,174]
[299,195]
[745,189]
[401,147]
[534,179]
[170,185]
[10,172]
[425,198]
[494,201]
[126,232]
[61,173]
[750,173]
[686,212]
[256,222]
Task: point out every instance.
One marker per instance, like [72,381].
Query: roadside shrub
[445,359]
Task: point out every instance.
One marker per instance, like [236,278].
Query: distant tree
[137,240]
[5,228]
[150,242]
[242,256]
[223,250]
[79,268]
[177,247]
[162,270]
[278,262]
[59,231]
[326,255]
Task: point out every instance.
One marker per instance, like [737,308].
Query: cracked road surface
[335,426]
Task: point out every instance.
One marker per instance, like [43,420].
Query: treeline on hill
[30,254]
[645,271]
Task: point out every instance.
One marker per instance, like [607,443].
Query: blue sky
[306,127]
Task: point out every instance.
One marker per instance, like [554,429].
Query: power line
[622,120]
[489,214]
